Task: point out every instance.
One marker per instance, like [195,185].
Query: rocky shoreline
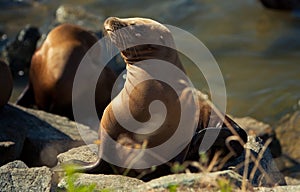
[44,139]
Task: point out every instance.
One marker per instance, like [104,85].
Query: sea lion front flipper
[26,99]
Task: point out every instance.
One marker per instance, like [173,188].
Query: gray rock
[79,16]
[262,130]
[36,137]
[108,182]
[83,153]
[292,181]
[13,129]
[268,175]
[290,188]
[19,52]
[288,131]
[253,126]
[62,124]
[14,165]
[15,176]
[193,182]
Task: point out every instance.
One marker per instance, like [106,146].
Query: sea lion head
[141,38]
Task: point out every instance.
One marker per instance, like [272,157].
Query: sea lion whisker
[136,51]
[108,46]
[122,38]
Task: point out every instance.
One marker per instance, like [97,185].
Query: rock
[14,165]
[108,182]
[36,137]
[16,176]
[13,130]
[84,153]
[104,182]
[78,16]
[19,52]
[63,124]
[292,181]
[288,131]
[269,175]
[262,130]
[193,182]
[279,188]
[281,4]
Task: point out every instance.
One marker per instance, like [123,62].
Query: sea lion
[6,83]
[144,63]
[159,48]
[53,68]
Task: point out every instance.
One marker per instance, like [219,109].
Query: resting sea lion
[139,96]
[6,83]
[53,68]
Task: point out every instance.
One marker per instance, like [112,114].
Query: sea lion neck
[135,55]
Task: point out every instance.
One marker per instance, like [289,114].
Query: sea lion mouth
[120,38]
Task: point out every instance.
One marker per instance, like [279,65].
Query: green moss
[173,187]
[71,178]
[177,168]
[224,185]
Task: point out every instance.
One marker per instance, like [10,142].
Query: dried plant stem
[256,162]
[246,166]
[213,161]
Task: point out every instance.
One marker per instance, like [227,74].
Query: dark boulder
[19,52]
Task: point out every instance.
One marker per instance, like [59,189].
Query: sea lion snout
[113,23]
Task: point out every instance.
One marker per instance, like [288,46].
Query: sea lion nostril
[118,25]
[114,23]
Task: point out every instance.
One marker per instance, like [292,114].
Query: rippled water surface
[258,50]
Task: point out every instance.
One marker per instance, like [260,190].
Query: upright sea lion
[6,83]
[152,40]
[53,68]
[144,43]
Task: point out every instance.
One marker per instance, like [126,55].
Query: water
[258,50]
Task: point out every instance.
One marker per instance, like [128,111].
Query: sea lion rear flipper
[26,99]
[215,139]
